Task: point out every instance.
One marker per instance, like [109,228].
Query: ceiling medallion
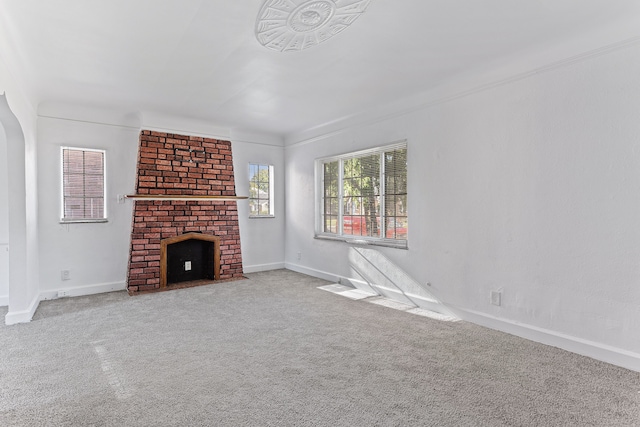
[292,25]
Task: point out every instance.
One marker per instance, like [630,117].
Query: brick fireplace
[171,166]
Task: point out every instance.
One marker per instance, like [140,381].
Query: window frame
[271,213]
[63,219]
[320,191]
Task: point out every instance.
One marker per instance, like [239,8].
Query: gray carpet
[275,351]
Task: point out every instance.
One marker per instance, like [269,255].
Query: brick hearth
[170,164]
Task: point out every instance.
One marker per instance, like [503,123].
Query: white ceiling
[200,58]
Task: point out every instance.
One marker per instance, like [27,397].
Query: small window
[362,196]
[83,185]
[260,190]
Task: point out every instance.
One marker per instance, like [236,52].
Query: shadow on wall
[383,277]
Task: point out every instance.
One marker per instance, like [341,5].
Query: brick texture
[171,164]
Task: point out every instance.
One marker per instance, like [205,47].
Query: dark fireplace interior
[190,260]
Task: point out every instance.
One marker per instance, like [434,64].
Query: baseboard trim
[419,300]
[83,290]
[4,300]
[312,272]
[263,267]
[24,316]
[605,353]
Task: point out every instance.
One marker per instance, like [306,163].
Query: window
[83,185]
[260,190]
[363,196]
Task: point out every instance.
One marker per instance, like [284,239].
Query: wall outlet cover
[496,298]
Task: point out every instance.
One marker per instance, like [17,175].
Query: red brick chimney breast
[171,164]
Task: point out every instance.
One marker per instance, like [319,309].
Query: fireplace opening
[188,258]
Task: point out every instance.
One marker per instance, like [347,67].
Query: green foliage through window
[260,190]
[364,195]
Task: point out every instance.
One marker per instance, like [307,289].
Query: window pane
[93,186]
[75,161]
[264,207]
[365,210]
[93,162]
[74,208]
[396,194]
[93,207]
[334,207]
[260,190]
[73,185]
[253,207]
[82,184]
[330,196]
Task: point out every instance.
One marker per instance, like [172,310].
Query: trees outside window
[260,190]
[364,196]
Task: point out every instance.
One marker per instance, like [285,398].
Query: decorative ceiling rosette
[292,25]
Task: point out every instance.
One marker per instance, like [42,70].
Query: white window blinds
[364,196]
[83,188]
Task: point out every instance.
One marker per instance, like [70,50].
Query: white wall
[530,185]
[96,254]
[262,239]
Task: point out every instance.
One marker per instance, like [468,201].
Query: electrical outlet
[496,298]
[299,255]
[187,266]
[62,294]
[65,275]
[120,198]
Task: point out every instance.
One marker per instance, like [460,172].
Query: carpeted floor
[274,350]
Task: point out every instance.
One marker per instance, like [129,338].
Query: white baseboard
[395,294]
[25,316]
[83,290]
[312,272]
[4,300]
[605,353]
[263,267]
[419,300]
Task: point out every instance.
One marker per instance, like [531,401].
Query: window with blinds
[363,196]
[260,190]
[83,185]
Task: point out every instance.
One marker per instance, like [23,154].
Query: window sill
[400,244]
[83,221]
[261,216]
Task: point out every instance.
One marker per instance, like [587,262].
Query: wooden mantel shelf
[183,197]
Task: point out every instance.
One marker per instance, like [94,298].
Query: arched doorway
[4,220]
[21,218]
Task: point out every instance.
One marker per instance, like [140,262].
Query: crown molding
[498,74]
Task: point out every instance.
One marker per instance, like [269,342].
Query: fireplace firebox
[189,257]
